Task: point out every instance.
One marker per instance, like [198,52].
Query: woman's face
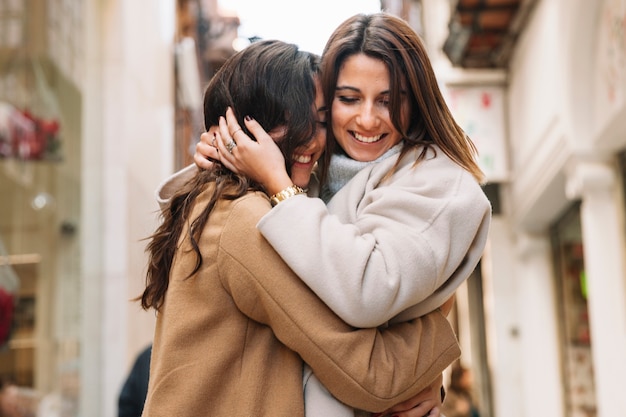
[361,121]
[305,157]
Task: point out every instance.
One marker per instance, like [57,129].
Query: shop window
[40,125]
[17,357]
[576,343]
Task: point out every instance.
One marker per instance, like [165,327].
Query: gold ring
[233,134]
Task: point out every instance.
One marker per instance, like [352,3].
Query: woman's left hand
[262,161]
[206,153]
[427,403]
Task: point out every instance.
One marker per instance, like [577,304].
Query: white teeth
[303,159]
[366,139]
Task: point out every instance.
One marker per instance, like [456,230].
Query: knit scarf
[342,168]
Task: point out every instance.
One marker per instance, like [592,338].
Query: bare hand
[260,160]
[205,151]
[427,403]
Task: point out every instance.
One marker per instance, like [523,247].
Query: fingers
[422,409]
[203,155]
[232,129]
[426,403]
[231,122]
[225,157]
[415,412]
[224,141]
[210,148]
[225,132]
[207,137]
[260,160]
[205,151]
[253,126]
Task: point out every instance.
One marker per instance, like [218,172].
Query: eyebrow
[340,88]
[357,90]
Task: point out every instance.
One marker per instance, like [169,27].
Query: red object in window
[6,315]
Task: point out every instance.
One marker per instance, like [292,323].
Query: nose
[367,117]
[318,141]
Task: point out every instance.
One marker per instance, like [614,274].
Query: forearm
[369,369]
[367,276]
[398,249]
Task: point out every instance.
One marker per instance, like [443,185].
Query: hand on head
[206,153]
[243,152]
[220,143]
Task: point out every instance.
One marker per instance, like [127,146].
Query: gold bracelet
[285,194]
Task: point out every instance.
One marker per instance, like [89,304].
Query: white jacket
[390,251]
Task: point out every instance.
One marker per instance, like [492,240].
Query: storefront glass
[576,344]
[40,113]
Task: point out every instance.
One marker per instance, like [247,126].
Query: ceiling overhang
[483,32]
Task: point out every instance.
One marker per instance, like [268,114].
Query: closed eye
[347,100]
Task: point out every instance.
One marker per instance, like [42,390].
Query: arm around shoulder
[371,369]
[395,246]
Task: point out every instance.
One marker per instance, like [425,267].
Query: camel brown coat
[231,339]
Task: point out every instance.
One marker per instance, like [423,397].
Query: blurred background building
[100,101]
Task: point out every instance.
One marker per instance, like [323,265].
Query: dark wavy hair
[271,81]
[391,40]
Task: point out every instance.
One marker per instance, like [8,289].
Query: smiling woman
[361,120]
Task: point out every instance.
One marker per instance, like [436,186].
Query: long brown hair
[271,81]
[391,40]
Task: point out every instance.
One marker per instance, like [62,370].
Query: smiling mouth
[366,139]
[302,159]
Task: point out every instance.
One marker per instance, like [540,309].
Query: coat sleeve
[370,369]
[171,184]
[406,248]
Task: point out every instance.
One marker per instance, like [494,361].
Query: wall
[539,152]
[128,119]
[538,126]
[566,126]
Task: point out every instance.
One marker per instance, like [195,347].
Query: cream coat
[390,250]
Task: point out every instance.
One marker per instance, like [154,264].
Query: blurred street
[100,101]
